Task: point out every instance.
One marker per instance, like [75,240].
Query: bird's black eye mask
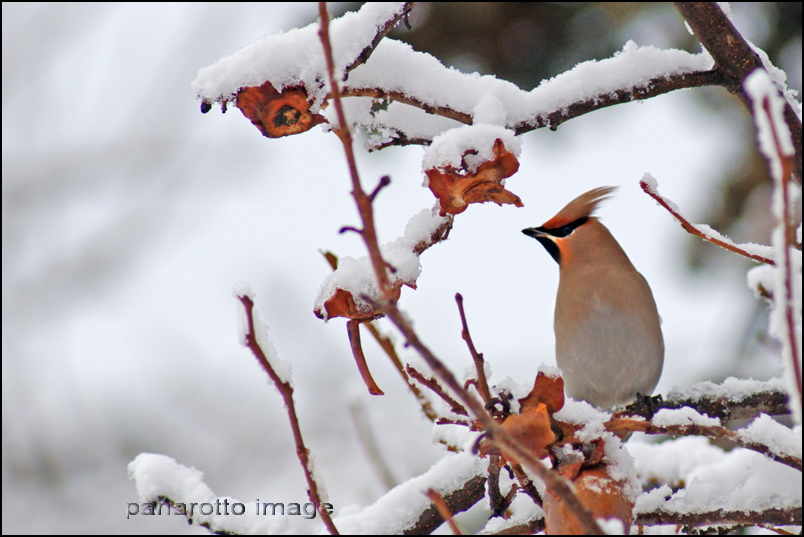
[563,231]
[539,233]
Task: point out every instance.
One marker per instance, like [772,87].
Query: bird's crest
[581,207]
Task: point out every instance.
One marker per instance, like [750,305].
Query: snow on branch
[755,252]
[776,145]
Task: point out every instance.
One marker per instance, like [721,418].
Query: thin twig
[443,510]
[286,391]
[437,389]
[690,228]
[482,383]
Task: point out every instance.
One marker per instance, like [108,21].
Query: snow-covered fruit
[342,304]
[275,113]
[456,188]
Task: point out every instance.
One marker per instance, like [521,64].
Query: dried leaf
[548,390]
[456,188]
[277,114]
[531,429]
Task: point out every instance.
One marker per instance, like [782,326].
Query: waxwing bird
[609,342]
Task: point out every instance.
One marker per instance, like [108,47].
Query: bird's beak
[545,239]
[534,232]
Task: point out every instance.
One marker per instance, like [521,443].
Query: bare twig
[437,389]
[286,391]
[690,228]
[443,510]
[482,383]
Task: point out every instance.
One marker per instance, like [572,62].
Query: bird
[609,344]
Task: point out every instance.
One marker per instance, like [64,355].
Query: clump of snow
[294,57]
[653,500]
[669,417]
[550,371]
[158,476]
[449,149]
[781,440]
[731,389]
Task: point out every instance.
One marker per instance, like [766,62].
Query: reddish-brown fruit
[456,188]
[601,494]
[277,114]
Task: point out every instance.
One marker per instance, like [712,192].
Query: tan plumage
[609,342]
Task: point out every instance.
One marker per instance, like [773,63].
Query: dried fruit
[457,188]
[277,114]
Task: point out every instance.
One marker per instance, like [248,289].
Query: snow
[401,506]
[668,417]
[449,149]
[296,59]
[781,440]
[158,476]
[731,389]
[296,56]
[281,367]
[713,479]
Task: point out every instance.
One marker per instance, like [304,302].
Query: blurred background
[128,217]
